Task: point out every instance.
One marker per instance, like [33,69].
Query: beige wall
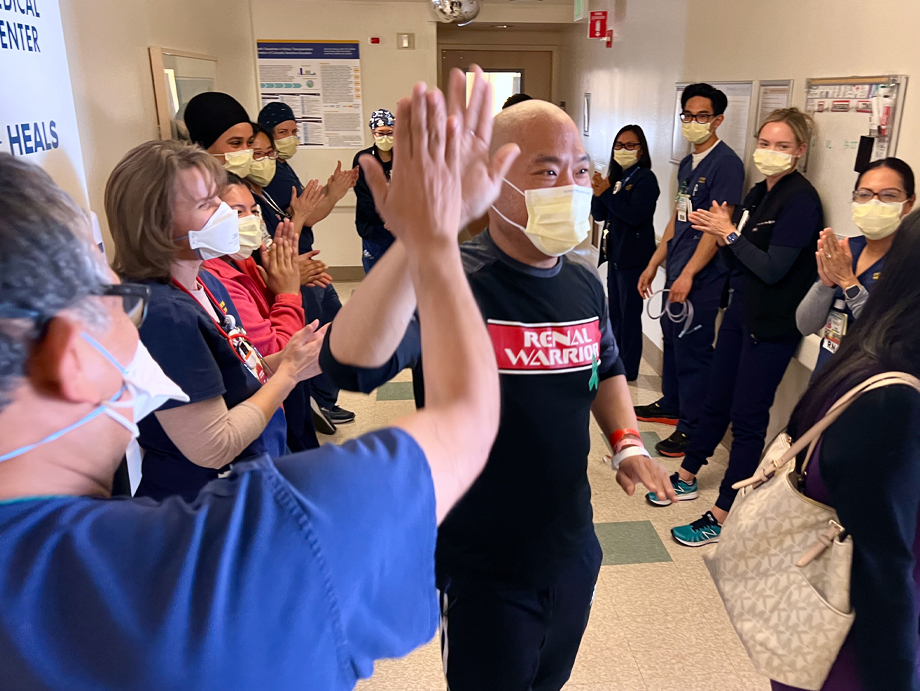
[107,43]
[388,74]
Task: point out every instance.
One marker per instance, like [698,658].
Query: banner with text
[37,117]
[321,82]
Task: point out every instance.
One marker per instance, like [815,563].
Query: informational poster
[774,95]
[321,82]
[734,130]
[37,118]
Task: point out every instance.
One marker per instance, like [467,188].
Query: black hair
[883,339]
[898,166]
[258,129]
[717,98]
[614,170]
[514,99]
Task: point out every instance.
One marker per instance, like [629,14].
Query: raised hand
[304,205]
[481,173]
[422,203]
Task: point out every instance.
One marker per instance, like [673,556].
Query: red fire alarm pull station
[597,26]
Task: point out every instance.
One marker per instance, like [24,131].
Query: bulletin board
[857,120]
[734,131]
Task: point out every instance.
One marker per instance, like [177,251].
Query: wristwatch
[852,292]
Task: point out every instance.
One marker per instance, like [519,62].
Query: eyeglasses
[629,146]
[135,298]
[702,118]
[892,195]
[271,156]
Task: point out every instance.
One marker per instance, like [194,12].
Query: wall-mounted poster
[321,82]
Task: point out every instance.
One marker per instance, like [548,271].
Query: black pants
[625,307]
[745,375]
[495,638]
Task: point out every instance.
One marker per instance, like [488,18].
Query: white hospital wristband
[628,452]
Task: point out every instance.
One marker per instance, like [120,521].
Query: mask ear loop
[685,315]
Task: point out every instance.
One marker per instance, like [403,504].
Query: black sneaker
[674,446]
[338,415]
[655,413]
[322,423]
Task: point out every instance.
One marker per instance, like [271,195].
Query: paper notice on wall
[321,82]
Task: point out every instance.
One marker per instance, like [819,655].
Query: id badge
[834,330]
[683,207]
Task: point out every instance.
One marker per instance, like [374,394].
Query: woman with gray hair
[166,218]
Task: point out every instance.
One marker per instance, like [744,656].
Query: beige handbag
[783,562]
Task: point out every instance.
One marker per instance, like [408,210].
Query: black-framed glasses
[891,195]
[135,299]
[271,156]
[629,146]
[702,118]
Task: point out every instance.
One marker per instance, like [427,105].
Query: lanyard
[236,336]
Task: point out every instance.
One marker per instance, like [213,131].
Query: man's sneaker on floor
[339,415]
[701,532]
[674,446]
[655,413]
[322,422]
[685,492]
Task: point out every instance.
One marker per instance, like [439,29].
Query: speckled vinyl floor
[657,622]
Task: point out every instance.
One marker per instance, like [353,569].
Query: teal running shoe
[701,532]
[685,492]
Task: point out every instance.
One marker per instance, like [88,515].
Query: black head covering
[274,114]
[209,115]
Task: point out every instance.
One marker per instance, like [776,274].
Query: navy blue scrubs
[195,354]
[629,210]
[867,278]
[687,359]
[758,336]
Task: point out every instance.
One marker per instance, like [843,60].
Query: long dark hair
[614,170]
[886,336]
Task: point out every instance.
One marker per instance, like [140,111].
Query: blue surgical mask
[149,387]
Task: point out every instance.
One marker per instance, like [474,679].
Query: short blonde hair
[139,198]
[801,124]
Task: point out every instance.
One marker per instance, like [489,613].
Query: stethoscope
[685,315]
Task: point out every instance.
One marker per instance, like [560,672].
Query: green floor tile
[395,391]
[630,542]
[650,439]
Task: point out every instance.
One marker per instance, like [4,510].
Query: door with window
[508,72]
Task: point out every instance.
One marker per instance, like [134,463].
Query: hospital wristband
[628,452]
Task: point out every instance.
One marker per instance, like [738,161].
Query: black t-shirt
[530,510]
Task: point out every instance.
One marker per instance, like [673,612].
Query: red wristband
[617,436]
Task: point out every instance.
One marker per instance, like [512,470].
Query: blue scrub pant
[688,358]
[497,638]
[745,375]
[322,304]
[625,309]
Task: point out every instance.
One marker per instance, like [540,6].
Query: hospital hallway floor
[657,622]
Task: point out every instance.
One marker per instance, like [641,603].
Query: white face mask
[250,235]
[143,378]
[384,143]
[219,236]
[695,132]
[770,162]
[557,217]
[287,146]
[238,162]
[625,158]
[877,219]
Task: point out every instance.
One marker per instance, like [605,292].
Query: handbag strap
[811,437]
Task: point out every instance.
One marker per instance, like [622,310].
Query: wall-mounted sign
[597,25]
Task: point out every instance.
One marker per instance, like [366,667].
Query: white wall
[387,75]
[107,42]
[631,82]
